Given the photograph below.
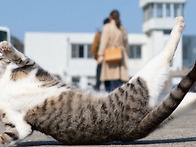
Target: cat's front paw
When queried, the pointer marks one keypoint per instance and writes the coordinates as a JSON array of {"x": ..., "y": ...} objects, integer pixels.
[
  {"x": 180, "y": 23},
  {"x": 5, "y": 47},
  {"x": 1, "y": 140}
]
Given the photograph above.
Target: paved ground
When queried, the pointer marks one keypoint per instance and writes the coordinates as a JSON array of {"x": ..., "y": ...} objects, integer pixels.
[{"x": 178, "y": 133}]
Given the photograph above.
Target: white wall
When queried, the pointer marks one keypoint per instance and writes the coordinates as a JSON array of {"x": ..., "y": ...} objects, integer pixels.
[
  {"x": 48, "y": 50},
  {"x": 52, "y": 51},
  {"x": 136, "y": 64}
]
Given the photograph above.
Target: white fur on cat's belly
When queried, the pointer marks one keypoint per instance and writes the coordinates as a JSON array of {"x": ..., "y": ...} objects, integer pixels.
[
  {"x": 17, "y": 97},
  {"x": 155, "y": 73},
  {"x": 19, "y": 94}
]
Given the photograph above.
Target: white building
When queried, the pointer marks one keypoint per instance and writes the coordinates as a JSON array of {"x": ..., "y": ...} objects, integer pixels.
[
  {"x": 5, "y": 34},
  {"x": 69, "y": 54}
]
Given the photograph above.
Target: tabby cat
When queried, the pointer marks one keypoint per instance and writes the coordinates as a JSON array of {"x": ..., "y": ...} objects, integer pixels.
[{"x": 32, "y": 99}]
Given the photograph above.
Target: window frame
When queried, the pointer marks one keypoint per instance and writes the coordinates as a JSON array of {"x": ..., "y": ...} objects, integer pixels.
[
  {"x": 159, "y": 10},
  {"x": 135, "y": 51},
  {"x": 168, "y": 10},
  {"x": 81, "y": 51}
]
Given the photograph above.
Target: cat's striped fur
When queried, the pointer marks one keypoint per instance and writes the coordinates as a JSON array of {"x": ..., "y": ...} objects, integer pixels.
[{"x": 32, "y": 99}]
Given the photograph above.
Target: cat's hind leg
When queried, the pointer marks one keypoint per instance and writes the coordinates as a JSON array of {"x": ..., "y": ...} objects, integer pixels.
[
  {"x": 155, "y": 72},
  {"x": 12, "y": 54},
  {"x": 16, "y": 128}
]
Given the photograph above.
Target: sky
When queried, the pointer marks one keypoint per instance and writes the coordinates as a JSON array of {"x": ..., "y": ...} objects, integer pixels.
[{"x": 76, "y": 15}]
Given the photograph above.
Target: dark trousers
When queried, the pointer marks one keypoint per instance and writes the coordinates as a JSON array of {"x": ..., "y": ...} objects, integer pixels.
[
  {"x": 111, "y": 85},
  {"x": 98, "y": 73}
]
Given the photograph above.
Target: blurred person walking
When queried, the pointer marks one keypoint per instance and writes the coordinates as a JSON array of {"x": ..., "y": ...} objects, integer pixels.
[
  {"x": 94, "y": 50},
  {"x": 114, "y": 35}
]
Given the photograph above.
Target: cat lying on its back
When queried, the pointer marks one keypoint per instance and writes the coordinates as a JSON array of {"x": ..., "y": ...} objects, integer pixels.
[{"x": 32, "y": 99}]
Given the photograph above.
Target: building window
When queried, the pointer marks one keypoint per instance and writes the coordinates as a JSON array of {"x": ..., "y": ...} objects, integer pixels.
[
  {"x": 3, "y": 35},
  {"x": 148, "y": 12},
  {"x": 151, "y": 11},
  {"x": 168, "y": 10},
  {"x": 81, "y": 51},
  {"x": 186, "y": 45},
  {"x": 145, "y": 14},
  {"x": 135, "y": 52},
  {"x": 75, "y": 81},
  {"x": 77, "y": 51},
  {"x": 167, "y": 32},
  {"x": 91, "y": 81},
  {"x": 159, "y": 10},
  {"x": 182, "y": 10},
  {"x": 177, "y": 10},
  {"x": 89, "y": 53},
  {"x": 185, "y": 52}
]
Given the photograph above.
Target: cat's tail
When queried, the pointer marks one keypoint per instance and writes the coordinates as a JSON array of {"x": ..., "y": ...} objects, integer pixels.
[
  {"x": 163, "y": 111},
  {"x": 187, "y": 105}
]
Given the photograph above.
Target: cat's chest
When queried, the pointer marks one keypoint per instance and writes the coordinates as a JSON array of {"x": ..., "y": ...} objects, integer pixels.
[{"x": 25, "y": 94}]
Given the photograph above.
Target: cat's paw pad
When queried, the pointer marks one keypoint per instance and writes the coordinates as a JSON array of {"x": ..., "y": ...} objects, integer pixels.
[
  {"x": 5, "y": 47},
  {"x": 180, "y": 23}
]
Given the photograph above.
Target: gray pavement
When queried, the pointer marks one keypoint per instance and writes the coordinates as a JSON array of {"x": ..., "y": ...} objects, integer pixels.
[{"x": 178, "y": 133}]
